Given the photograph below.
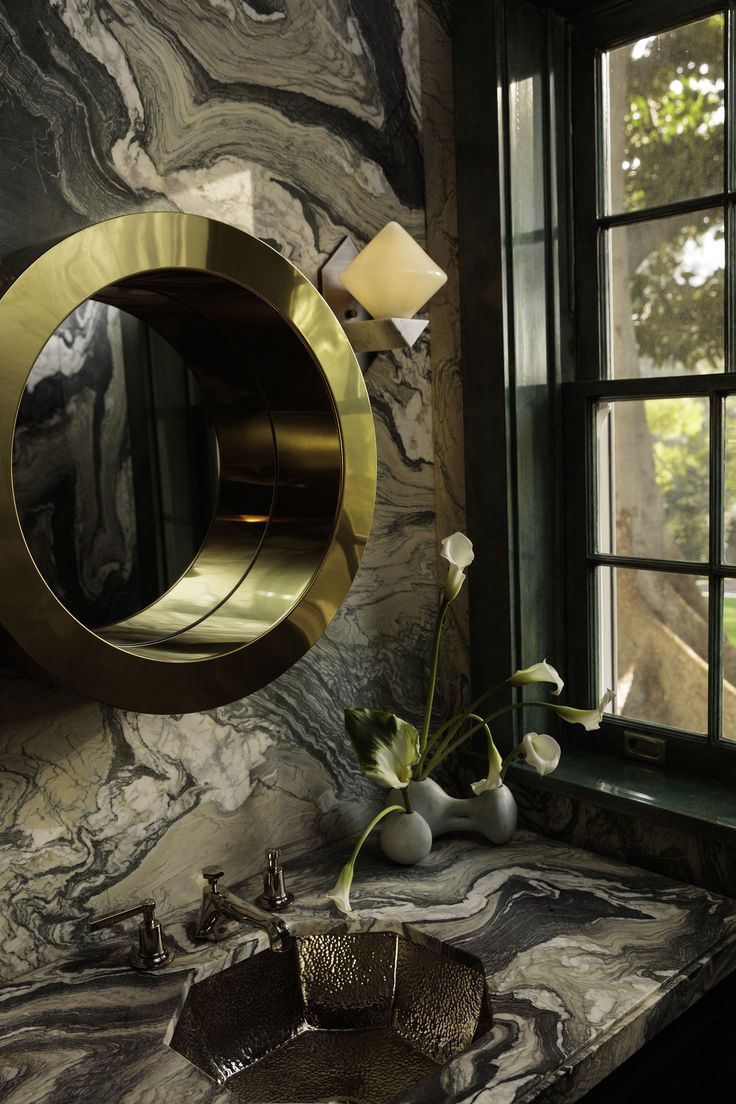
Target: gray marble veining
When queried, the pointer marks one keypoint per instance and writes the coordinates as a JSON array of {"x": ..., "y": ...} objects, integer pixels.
[
  {"x": 662, "y": 848},
  {"x": 298, "y": 121},
  {"x": 586, "y": 958}
]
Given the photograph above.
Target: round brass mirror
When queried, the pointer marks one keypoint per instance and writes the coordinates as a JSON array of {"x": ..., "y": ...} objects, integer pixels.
[{"x": 190, "y": 463}]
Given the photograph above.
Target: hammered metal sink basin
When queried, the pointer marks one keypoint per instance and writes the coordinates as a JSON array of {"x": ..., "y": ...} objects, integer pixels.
[{"x": 353, "y": 1019}]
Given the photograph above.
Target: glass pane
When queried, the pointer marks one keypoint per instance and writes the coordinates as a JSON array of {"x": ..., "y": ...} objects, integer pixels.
[
  {"x": 666, "y": 294},
  {"x": 665, "y": 117},
  {"x": 729, "y": 490},
  {"x": 654, "y": 645},
  {"x": 653, "y": 478},
  {"x": 729, "y": 660}
]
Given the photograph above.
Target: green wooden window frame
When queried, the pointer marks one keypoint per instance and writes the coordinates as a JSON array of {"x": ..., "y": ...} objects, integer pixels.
[
  {"x": 590, "y": 38},
  {"x": 531, "y": 362}
]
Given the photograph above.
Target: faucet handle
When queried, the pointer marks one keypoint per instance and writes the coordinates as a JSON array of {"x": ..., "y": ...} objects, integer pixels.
[
  {"x": 150, "y": 954},
  {"x": 275, "y": 896},
  {"x": 212, "y": 874}
]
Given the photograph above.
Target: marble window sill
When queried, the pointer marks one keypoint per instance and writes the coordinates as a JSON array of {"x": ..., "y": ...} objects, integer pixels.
[{"x": 690, "y": 804}]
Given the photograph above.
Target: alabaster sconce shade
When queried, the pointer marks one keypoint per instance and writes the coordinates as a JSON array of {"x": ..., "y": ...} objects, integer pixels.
[{"x": 392, "y": 277}]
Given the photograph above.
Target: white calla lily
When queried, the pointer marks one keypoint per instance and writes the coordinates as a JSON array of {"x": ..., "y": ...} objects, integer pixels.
[
  {"x": 341, "y": 893},
  {"x": 386, "y": 747},
  {"x": 541, "y": 751},
  {"x": 393, "y": 762},
  {"x": 538, "y": 672},
  {"x": 457, "y": 549},
  {"x": 493, "y": 780},
  {"x": 588, "y": 718}
]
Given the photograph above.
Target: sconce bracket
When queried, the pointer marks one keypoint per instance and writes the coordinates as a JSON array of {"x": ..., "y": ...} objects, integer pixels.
[
  {"x": 377, "y": 334},
  {"x": 338, "y": 297},
  {"x": 366, "y": 335}
]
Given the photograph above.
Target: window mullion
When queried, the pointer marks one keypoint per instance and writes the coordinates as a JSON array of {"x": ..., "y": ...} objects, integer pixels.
[
  {"x": 716, "y": 583},
  {"x": 730, "y": 55},
  {"x": 715, "y": 578},
  {"x": 729, "y": 213},
  {"x": 604, "y": 367},
  {"x": 667, "y": 210}
]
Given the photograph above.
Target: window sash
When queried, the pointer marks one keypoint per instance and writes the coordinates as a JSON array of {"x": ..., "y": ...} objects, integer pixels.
[
  {"x": 591, "y": 37},
  {"x": 579, "y": 409}
]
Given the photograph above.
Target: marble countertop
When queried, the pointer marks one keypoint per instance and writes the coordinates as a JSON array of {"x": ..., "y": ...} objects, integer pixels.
[{"x": 586, "y": 959}]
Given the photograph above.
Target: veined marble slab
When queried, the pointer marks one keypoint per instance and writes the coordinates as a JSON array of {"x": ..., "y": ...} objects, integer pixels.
[{"x": 586, "y": 959}]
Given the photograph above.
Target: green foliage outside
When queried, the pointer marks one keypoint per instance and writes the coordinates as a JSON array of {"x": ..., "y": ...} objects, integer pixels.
[
  {"x": 680, "y": 441},
  {"x": 674, "y": 119},
  {"x": 677, "y": 312},
  {"x": 729, "y": 619},
  {"x": 679, "y": 429}
]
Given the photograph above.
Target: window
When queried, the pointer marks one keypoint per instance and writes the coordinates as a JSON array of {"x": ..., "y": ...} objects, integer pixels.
[
  {"x": 651, "y": 419},
  {"x": 599, "y": 379}
]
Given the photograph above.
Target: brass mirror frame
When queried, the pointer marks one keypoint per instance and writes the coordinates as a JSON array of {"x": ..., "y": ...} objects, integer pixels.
[{"x": 39, "y": 629}]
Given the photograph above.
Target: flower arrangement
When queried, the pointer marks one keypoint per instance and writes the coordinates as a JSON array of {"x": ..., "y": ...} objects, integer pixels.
[{"x": 393, "y": 753}]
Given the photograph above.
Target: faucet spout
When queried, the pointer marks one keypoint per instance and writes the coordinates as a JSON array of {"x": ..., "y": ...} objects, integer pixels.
[
  {"x": 279, "y": 936},
  {"x": 220, "y": 903}
]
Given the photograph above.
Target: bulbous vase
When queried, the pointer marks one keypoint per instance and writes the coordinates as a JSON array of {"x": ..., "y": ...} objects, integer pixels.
[
  {"x": 493, "y": 813},
  {"x": 406, "y": 838},
  {"x": 496, "y": 814}
]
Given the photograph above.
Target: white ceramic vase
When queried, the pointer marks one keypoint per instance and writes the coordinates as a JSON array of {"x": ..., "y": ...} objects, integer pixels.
[
  {"x": 492, "y": 813},
  {"x": 406, "y": 838}
]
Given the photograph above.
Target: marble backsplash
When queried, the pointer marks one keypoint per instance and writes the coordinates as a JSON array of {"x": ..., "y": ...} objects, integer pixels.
[
  {"x": 664, "y": 849},
  {"x": 298, "y": 121}
]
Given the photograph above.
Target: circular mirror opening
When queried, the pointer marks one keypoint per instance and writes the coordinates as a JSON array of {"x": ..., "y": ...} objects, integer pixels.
[{"x": 173, "y": 429}]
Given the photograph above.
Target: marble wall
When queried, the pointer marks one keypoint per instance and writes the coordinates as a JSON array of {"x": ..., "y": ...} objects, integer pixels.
[{"x": 298, "y": 121}]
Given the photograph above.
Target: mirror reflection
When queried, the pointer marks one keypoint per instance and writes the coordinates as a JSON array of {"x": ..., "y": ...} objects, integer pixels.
[
  {"x": 173, "y": 439},
  {"x": 115, "y": 463}
]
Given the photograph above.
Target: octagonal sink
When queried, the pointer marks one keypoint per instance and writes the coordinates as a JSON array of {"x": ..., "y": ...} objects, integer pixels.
[{"x": 354, "y": 1019}]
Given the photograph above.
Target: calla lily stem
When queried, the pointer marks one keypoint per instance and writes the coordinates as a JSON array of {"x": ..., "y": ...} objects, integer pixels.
[
  {"x": 433, "y": 674},
  {"x": 448, "y": 747},
  {"x": 454, "y": 723},
  {"x": 449, "y": 728},
  {"x": 341, "y": 893},
  {"x": 441, "y": 753},
  {"x": 364, "y": 836},
  {"x": 513, "y": 754}
]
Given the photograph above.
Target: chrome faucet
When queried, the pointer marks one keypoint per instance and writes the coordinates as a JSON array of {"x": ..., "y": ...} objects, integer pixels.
[
  {"x": 151, "y": 952},
  {"x": 219, "y": 903}
]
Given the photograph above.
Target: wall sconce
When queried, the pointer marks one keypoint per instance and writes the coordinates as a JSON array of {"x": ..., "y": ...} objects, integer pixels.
[{"x": 391, "y": 279}]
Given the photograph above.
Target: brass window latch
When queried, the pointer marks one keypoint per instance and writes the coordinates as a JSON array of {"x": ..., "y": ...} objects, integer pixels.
[
  {"x": 150, "y": 954},
  {"x": 649, "y": 749}
]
